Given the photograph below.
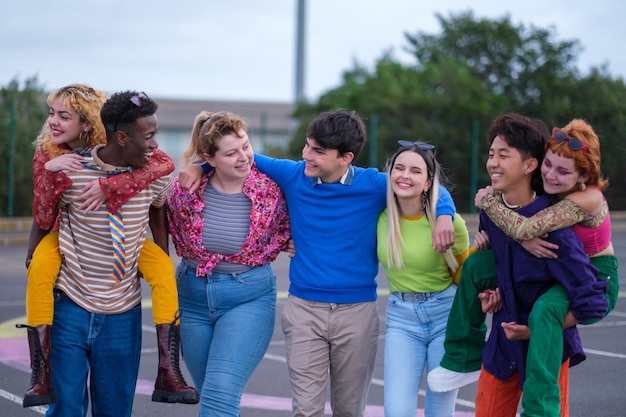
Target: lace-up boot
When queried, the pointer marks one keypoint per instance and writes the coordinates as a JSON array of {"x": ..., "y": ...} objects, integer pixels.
[
  {"x": 170, "y": 385},
  {"x": 41, "y": 390}
]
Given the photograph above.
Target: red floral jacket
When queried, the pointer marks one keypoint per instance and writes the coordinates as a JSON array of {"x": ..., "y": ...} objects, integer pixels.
[{"x": 118, "y": 188}]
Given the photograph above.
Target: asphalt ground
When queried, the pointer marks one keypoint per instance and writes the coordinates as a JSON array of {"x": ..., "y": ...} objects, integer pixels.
[{"x": 596, "y": 385}]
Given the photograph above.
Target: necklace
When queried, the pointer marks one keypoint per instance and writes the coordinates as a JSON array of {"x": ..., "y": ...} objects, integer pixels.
[{"x": 513, "y": 206}]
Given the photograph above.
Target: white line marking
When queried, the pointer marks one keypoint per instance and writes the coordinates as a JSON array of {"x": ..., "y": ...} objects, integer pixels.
[
  {"x": 18, "y": 400},
  {"x": 607, "y": 354}
]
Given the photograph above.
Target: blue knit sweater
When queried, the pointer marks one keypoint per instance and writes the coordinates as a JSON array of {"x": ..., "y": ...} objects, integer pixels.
[{"x": 334, "y": 230}]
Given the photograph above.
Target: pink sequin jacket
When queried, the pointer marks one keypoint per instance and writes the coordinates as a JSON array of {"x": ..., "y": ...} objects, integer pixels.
[{"x": 269, "y": 224}]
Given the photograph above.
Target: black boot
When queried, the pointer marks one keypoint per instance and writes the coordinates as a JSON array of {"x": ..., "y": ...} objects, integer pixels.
[
  {"x": 170, "y": 385},
  {"x": 41, "y": 390}
]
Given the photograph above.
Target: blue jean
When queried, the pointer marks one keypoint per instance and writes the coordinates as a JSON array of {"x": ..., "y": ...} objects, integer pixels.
[
  {"x": 415, "y": 331},
  {"x": 104, "y": 347},
  {"x": 226, "y": 326}
]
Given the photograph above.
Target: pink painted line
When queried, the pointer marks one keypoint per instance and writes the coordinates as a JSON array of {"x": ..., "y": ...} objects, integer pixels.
[
  {"x": 264, "y": 402},
  {"x": 14, "y": 353},
  {"x": 144, "y": 387}
]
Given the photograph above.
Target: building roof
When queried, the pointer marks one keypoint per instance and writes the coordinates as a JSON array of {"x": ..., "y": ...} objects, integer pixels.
[{"x": 180, "y": 114}]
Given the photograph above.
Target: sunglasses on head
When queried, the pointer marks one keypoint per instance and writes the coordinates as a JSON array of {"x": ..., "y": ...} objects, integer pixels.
[
  {"x": 573, "y": 143},
  {"x": 410, "y": 144},
  {"x": 136, "y": 100}
]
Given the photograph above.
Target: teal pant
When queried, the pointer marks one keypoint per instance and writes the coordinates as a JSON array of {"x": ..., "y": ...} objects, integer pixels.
[{"x": 466, "y": 331}]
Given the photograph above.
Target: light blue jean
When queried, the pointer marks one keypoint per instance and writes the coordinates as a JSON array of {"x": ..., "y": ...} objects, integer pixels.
[
  {"x": 415, "y": 331},
  {"x": 104, "y": 347},
  {"x": 226, "y": 326}
]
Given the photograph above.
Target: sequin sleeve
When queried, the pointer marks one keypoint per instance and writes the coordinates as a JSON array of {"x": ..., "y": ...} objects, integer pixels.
[
  {"x": 563, "y": 214},
  {"x": 48, "y": 186},
  {"x": 122, "y": 187}
]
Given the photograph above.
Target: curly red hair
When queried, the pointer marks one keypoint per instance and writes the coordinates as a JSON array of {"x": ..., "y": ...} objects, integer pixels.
[{"x": 587, "y": 160}]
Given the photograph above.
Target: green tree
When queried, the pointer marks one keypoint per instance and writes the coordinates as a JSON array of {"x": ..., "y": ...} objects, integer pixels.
[
  {"x": 22, "y": 111},
  {"x": 601, "y": 101},
  {"x": 538, "y": 76},
  {"x": 465, "y": 76},
  {"x": 434, "y": 103},
  {"x": 513, "y": 61}
]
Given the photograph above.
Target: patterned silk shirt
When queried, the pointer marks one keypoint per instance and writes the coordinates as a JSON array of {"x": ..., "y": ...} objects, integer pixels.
[{"x": 269, "y": 224}]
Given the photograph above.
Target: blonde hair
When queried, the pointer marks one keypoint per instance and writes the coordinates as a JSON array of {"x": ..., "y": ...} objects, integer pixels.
[
  {"x": 86, "y": 102},
  {"x": 208, "y": 128},
  {"x": 395, "y": 242}
]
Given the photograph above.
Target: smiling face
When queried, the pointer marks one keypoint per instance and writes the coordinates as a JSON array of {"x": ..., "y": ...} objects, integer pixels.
[
  {"x": 140, "y": 141},
  {"x": 233, "y": 158},
  {"x": 65, "y": 125},
  {"x": 509, "y": 172},
  {"x": 559, "y": 174},
  {"x": 323, "y": 163},
  {"x": 409, "y": 176}
]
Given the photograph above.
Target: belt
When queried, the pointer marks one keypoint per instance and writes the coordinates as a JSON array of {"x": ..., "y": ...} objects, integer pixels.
[{"x": 414, "y": 297}]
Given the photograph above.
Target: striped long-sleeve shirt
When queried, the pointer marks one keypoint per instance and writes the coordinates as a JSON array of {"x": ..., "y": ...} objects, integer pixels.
[{"x": 85, "y": 244}]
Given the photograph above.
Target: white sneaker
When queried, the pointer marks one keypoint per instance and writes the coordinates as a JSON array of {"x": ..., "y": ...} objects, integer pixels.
[{"x": 444, "y": 380}]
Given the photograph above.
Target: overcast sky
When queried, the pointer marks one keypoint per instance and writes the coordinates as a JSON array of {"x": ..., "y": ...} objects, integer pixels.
[{"x": 245, "y": 49}]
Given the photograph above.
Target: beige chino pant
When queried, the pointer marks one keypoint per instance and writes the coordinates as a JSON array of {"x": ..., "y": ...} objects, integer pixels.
[{"x": 323, "y": 338}]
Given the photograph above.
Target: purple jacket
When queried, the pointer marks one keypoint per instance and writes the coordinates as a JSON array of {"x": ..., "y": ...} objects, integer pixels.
[{"x": 522, "y": 278}]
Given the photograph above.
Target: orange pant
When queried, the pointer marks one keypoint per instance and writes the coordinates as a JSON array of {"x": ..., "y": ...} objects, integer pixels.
[{"x": 498, "y": 398}]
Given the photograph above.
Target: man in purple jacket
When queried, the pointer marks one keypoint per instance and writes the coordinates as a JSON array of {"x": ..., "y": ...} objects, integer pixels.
[{"x": 515, "y": 154}]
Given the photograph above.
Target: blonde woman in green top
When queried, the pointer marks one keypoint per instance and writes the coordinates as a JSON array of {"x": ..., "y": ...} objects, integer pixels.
[{"x": 421, "y": 280}]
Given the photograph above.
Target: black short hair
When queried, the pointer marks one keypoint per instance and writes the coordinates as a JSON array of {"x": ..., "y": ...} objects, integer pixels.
[
  {"x": 338, "y": 129},
  {"x": 125, "y": 108},
  {"x": 528, "y": 136}
]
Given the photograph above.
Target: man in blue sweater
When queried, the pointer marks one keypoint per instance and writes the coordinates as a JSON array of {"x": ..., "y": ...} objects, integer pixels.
[
  {"x": 515, "y": 154},
  {"x": 330, "y": 320}
]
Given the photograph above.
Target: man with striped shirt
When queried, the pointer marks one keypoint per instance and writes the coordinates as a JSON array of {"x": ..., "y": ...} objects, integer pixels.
[{"x": 97, "y": 317}]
